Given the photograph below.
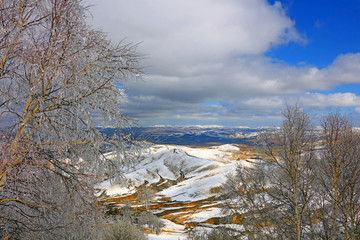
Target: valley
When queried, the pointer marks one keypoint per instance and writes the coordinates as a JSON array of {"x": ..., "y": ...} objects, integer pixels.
[{"x": 183, "y": 186}]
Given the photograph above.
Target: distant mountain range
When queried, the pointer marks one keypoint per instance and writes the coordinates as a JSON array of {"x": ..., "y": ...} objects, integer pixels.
[{"x": 194, "y": 135}]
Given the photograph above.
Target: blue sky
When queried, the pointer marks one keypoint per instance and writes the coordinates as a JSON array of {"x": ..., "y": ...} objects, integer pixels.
[
  {"x": 237, "y": 62},
  {"x": 329, "y": 26}
]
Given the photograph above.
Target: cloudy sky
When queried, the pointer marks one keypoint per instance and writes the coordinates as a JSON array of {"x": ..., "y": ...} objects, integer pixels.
[{"x": 237, "y": 62}]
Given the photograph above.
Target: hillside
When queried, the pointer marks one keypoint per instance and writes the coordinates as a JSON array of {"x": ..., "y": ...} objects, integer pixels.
[{"x": 184, "y": 184}]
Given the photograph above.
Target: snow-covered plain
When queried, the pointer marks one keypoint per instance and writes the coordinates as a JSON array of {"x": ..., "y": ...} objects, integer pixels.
[{"x": 189, "y": 199}]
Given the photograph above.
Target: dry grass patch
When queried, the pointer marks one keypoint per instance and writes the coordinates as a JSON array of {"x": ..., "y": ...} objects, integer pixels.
[
  {"x": 215, "y": 189},
  {"x": 165, "y": 199}
]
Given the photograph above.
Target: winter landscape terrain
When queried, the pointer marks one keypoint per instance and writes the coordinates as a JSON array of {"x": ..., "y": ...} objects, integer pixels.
[
  {"x": 77, "y": 76},
  {"x": 185, "y": 185}
]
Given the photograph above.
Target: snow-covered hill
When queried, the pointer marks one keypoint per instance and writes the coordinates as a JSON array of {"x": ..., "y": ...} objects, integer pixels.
[{"x": 185, "y": 183}]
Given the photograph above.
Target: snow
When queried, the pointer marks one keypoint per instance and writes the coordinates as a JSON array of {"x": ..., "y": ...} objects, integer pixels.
[
  {"x": 115, "y": 189},
  {"x": 204, "y": 215},
  {"x": 204, "y": 169},
  {"x": 166, "y": 236},
  {"x": 197, "y": 187},
  {"x": 249, "y": 135},
  {"x": 169, "y": 232}
]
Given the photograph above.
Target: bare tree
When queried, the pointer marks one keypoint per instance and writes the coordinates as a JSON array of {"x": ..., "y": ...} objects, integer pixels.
[
  {"x": 58, "y": 80},
  {"x": 272, "y": 199},
  {"x": 144, "y": 195},
  {"x": 338, "y": 172},
  {"x": 247, "y": 201},
  {"x": 123, "y": 229},
  {"x": 290, "y": 150},
  {"x": 307, "y": 185}
]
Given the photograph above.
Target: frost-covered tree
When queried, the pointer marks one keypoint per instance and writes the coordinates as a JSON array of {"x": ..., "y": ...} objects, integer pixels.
[
  {"x": 59, "y": 79},
  {"x": 338, "y": 179},
  {"x": 272, "y": 199},
  {"x": 247, "y": 201},
  {"x": 123, "y": 229},
  {"x": 289, "y": 152},
  {"x": 144, "y": 195},
  {"x": 306, "y": 187}
]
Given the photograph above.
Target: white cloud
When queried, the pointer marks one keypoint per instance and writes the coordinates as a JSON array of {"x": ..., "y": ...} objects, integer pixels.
[
  {"x": 271, "y": 102},
  {"x": 210, "y": 50},
  {"x": 251, "y": 77},
  {"x": 190, "y": 32},
  {"x": 331, "y": 100}
]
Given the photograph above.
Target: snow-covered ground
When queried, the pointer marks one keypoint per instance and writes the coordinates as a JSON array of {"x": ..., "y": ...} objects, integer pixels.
[
  {"x": 204, "y": 170},
  {"x": 171, "y": 231}
]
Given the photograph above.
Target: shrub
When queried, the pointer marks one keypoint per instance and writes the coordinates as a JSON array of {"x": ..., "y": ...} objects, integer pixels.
[
  {"x": 122, "y": 229},
  {"x": 214, "y": 234},
  {"x": 151, "y": 221}
]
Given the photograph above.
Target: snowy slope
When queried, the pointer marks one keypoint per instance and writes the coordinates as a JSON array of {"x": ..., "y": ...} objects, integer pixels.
[
  {"x": 204, "y": 168},
  {"x": 191, "y": 199}
]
